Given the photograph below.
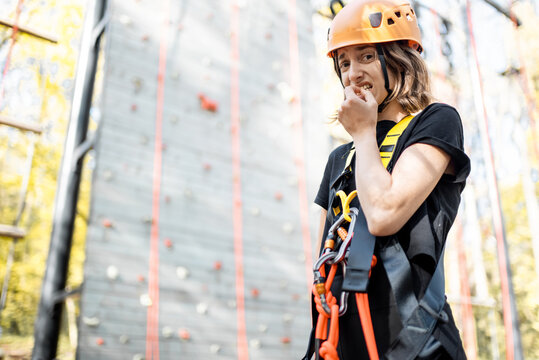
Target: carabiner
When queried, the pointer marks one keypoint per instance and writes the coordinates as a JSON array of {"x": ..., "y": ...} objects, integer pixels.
[
  {"x": 345, "y": 201},
  {"x": 344, "y": 303},
  {"x": 341, "y": 254},
  {"x": 326, "y": 258}
]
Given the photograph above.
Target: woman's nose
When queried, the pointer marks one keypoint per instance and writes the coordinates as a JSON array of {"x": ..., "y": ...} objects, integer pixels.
[{"x": 356, "y": 71}]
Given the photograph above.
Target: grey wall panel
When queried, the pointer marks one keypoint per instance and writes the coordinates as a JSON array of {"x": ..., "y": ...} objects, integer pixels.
[{"x": 196, "y": 270}]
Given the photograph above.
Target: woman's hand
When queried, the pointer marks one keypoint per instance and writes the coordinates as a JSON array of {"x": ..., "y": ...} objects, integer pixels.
[{"x": 359, "y": 111}]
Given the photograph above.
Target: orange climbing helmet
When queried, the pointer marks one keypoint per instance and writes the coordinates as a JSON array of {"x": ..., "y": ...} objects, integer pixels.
[{"x": 374, "y": 21}]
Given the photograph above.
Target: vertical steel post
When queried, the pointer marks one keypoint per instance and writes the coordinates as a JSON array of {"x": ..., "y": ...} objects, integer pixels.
[{"x": 47, "y": 326}]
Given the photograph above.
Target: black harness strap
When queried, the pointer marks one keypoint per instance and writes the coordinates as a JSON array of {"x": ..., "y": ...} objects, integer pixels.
[
  {"x": 358, "y": 265},
  {"x": 418, "y": 322},
  {"x": 399, "y": 273}
]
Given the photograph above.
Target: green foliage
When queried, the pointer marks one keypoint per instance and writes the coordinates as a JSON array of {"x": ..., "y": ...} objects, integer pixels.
[{"x": 48, "y": 71}]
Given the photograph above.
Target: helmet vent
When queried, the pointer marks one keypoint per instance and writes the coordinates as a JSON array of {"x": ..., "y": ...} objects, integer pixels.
[
  {"x": 398, "y": 14},
  {"x": 390, "y": 21},
  {"x": 375, "y": 19},
  {"x": 409, "y": 17}
]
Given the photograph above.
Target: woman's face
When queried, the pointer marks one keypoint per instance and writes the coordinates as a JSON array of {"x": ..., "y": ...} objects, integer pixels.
[{"x": 360, "y": 66}]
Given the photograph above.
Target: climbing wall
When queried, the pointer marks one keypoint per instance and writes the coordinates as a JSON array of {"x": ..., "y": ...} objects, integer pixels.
[{"x": 211, "y": 147}]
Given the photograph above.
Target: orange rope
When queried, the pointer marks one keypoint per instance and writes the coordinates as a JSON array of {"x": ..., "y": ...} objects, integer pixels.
[{"x": 328, "y": 349}]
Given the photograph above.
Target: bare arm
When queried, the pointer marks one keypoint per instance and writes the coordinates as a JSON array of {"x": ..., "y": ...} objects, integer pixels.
[
  {"x": 388, "y": 200},
  {"x": 323, "y": 215}
]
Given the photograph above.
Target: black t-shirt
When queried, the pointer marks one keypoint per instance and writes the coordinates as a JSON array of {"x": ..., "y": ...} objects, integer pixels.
[{"x": 438, "y": 125}]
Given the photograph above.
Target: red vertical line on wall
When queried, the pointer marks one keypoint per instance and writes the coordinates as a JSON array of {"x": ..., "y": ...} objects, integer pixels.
[
  {"x": 299, "y": 144},
  {"x": 14, "y": 32},
  {"x": 241, "y": 344},
  {"x": 152, "y": 315},
  {"x": 512, "y": 333},
  {"x": 468, "y": 323},
  {"x": 530, "y": 98}
]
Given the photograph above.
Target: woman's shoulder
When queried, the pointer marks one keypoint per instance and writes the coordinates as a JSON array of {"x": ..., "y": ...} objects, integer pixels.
[
  {"x": 439, "y": 110},
  {"x": 340, "y": 152}
]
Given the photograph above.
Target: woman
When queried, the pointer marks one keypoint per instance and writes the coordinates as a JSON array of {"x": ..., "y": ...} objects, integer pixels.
[{"x": 410, "y": 206}]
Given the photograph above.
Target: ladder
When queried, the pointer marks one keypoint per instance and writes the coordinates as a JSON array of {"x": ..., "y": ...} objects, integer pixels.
[{"x": 13, "y": 231}]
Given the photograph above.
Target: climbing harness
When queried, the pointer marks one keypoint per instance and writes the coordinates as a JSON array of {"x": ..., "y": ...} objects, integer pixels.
[{"x": 337, "y": 250}]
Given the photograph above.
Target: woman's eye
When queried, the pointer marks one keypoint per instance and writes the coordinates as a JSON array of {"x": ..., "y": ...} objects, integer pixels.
[
  {"x": 344, "y": 64},
  {"x": 368, "y": 57}
]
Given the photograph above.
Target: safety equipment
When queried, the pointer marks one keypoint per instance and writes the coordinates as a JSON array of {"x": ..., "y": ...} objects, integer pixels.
[
  {"x": 375, "y": 22},
  {"x": 339, "y": 249},
  {"x": 372, "y": 22},
  {"x": 419, "y": 315}
]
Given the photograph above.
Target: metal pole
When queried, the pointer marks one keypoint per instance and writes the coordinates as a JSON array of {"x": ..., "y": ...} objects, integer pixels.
[{"x": 47, "y": 326}]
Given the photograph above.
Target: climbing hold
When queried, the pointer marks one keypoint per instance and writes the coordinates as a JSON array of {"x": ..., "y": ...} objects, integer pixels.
[
  {"x": 138, "y": 357},
  {"x": 285, "y": 340},
  {"x": 255, "y": 292},
  {"x": 278, "y": 195},
  {"x": 141, "y": 278},
  {"x": 255, "y": 211},
  {"x": 296, "y": 297},
  {"x": 147, "y": 220},
  {"x": 255, "y": 343},
  {"x": 90, "y": 321},
  {"x": 174, "y": 119},
  {"x": 293, "y": 181},
  {"x": 287, "y": 318},
  {"x": 125, "y": 20},
  {"x": 262, "y": 328},
  {"x": 215, "y": 348},
  {"x": 167, "y": 199},
  {"x": 180, "y": 27},
  {"x": 124, "y": 339},
  {"x": 182, "y": 272},
  {"x": 188, "y": 193},
  {"x": 134, "y": 107},
  {"x": 301, "y": 257},
  {"x": 202, "y": 308},
  {"x": 99, "y": 341},
  {"x": 137, "y": 84},
  {"x": 168, "y": 243},
  {"x": 145, "y": 300},
  {"x": 107, "y": 223},
  {"x": 269, "y": 36},
  {"x": 217, "y": 265},
  {"x": 231, "y": 304},
  {"x": 164, "y": 147},
  {"x": 144, "y": 140},
  {"x": 145, "y": 37},
  {"x": 167, "y": 332},
  {"x": 207, "y": 104},
  {"x": 112, "y": 272},
  {"x": 206, "y": 166},
  {"x": 288, "y": 228},
  {"x": 184, "y": 334},
  {"x": 287, "y": 94},
  {"x": 107, "y": 175}
]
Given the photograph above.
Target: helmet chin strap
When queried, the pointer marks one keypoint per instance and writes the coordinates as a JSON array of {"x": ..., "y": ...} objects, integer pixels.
[{"x": 382, "y": 58}]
